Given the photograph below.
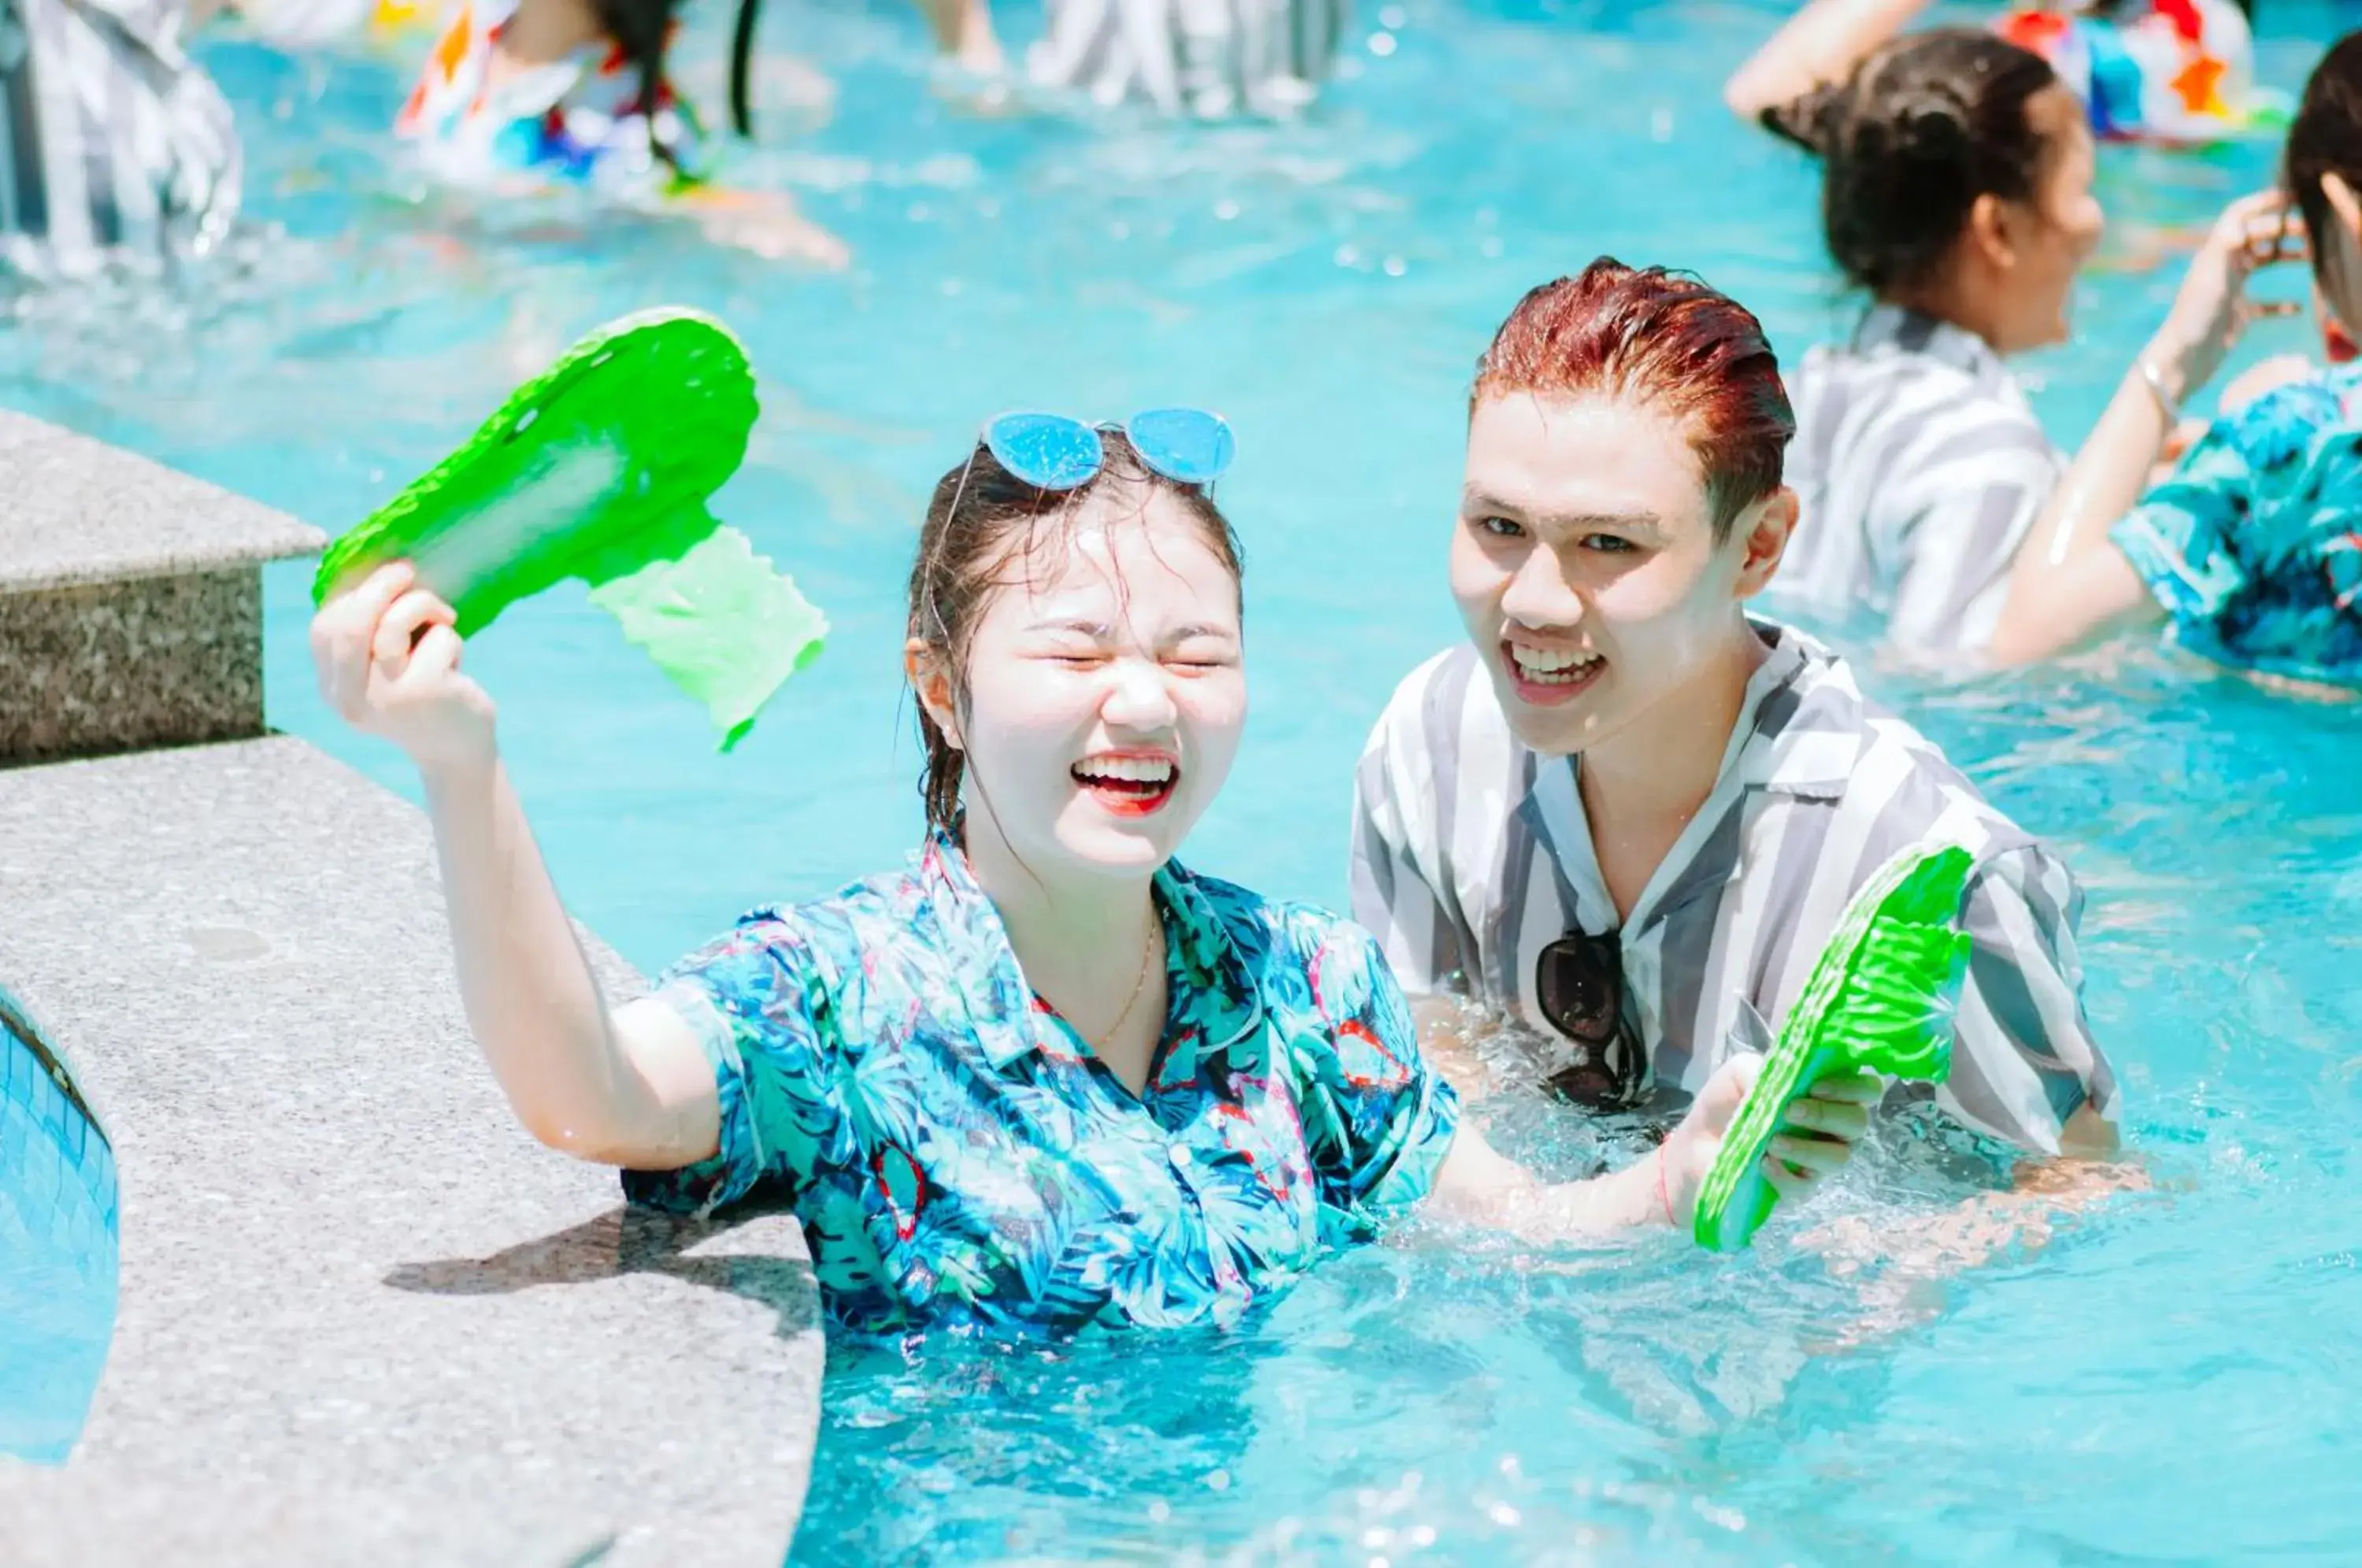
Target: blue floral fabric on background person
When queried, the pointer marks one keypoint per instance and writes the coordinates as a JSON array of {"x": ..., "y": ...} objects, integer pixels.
[
  {"x": 2254, "y": 546},
  {"x": 960, "y": 1158}
]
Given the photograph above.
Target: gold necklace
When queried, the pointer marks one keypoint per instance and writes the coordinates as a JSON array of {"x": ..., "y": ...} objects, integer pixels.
[{"x": 1147, "y": 952}]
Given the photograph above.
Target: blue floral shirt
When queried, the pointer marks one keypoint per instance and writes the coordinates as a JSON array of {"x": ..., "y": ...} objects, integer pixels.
[
  {"x": 959, "y": 1157},
  {"x": 2254, "y": 546}
]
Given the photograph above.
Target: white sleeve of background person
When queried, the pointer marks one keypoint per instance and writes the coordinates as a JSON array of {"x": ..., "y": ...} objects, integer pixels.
[
  {"x": 303, "y": 23},
  {"x": 1082, "y": 48},
  {"x": 1852, "y": 412},
  {"x": 61, "y": 45},
  {"x": 1965, "y": 504}
]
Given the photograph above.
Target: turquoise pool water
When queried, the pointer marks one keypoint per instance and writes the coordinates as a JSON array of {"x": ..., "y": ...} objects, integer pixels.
[
  {"x": 2177, "y": 1376},
  {"x": 57, "y": 1246}
]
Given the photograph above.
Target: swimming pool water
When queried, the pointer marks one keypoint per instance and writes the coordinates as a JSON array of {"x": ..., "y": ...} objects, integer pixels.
[
  {"x": 57, "y": 1246},
  {"x": 2176, "y": 1377}
]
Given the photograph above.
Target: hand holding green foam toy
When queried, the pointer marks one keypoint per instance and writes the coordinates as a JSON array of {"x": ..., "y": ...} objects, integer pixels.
[
  {"x": 1874, "y": 1002},
  {"x": 600, "y": 470}
]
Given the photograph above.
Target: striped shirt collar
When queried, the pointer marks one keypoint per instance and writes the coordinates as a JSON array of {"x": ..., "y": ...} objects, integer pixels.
[
  {"x": 1762, "y": 753},
  {"x": 1901, "y": 330}
]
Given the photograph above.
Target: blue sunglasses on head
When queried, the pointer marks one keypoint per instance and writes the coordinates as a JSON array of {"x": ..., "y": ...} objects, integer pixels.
[{"x": 1049, "y": 451}]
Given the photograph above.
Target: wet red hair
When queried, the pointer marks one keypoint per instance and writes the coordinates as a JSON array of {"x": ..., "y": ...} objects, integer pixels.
[{"x": 1667, "y": 341}]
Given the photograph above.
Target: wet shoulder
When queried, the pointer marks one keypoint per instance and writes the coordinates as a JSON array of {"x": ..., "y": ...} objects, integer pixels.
[
  {"x": 1300, "y": 958},
  {"x": 2281, "y": 429},
  {"x": 1445, "y": 713},
  {"x": 871, "y": 960},
  {"x": 1887, "y": 782},
  {"x": 1435, "y": 700},
  {"x": 1891, "y": 382},
  {"x": 874, "y": 911}
]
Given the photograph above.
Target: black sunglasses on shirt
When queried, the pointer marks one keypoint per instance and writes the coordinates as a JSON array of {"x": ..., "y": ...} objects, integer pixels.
[{"x": 1579, "y": 986}]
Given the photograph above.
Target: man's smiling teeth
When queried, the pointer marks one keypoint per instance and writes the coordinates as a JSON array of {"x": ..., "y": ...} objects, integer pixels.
[
  {"x": 1125, "y": 770},
  {"x": 1548, "y": 667}
]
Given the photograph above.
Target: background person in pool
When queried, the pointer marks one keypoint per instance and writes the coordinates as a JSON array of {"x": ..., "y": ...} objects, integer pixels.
[
  {"x": 2252, "y": 549},
  {"x": 520, "y": 95},
  {"x": 1210, "y": 59},
  {"x": 157, "y": 178},
  {"x": 1628, "y": 816},
  {"x": 1957, "y": 193},
  {"x": 1045, "y": 1077},
  {"x": 2178, "y": 72}
]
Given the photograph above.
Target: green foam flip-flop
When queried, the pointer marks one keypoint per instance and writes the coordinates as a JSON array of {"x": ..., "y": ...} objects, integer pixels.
[
  {"x": 598, "y": 469},
  {"x": 1873, "y": 1000}
]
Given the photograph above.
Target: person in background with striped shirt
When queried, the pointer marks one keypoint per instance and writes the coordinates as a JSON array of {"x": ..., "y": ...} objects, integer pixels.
[
  {"x": 114, "y": 146},
  {"x": 1627, "y": 815},
  {"x": 1211, "y": 59},
  {"x": 117, "y": 150},
  {"x": 1957, "y": 194}
]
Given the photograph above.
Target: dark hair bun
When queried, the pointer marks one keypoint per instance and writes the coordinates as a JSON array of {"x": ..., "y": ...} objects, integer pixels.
[
  {"x": 1922, "y": 129},
  {"x": 1932, "y": 128}
]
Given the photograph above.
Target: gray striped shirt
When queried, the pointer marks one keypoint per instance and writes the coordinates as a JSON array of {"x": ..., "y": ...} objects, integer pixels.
[
  {"x": 1472, "y": 853},
  {"x": 1920, "y": 467},
  {"x": 1212, "y": 57},
  {"x": 112, "y": 142}
]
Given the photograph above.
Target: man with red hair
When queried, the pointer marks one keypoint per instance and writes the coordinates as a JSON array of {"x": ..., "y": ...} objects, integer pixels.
[{"x": 1628, "y": 815}]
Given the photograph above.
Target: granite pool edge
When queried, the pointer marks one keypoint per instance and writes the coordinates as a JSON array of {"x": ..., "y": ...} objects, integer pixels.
[
  {"x": 363, "y": 1318},
  {"x": 82, "y": 513}
]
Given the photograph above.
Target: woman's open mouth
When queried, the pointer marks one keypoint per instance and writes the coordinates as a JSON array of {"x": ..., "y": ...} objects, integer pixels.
[
  {"x": 1547, "y": 677},
  {"x": 1132, "y": 785}
]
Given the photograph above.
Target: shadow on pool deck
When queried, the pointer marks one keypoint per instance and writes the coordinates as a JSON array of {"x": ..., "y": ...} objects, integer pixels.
[
  {"x": 363, "y": 1317},
  {"x": 628, "y": 1240}
]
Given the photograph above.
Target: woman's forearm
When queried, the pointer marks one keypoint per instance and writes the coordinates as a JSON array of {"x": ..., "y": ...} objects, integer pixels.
[
  {"x": 2068, "y": 579},
  {"x": 1821, "y": 43},
  {"x": 1639, "y": 1195},
  {"x": 1484, "y": 1187},
  {"x": 532, "y": 1001},
  {"x": 2069, "y": 582}
]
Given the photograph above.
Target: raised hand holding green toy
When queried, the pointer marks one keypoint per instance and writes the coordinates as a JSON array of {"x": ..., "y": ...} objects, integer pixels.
[{"x": 600, "y": 470}]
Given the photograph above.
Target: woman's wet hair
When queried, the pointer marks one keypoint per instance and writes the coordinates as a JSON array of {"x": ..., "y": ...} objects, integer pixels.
[
  {"x": 643, "y": 31},
  {"x": 2326, "y": 137},
  {"x": 1666, "y": 340},
  {"x": 985, "y": 529},
  {"x": 1923, "y": 128}
]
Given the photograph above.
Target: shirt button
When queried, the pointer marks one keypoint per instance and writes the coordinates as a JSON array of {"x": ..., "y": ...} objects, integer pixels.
[{"x": 1181, "y": 1156}]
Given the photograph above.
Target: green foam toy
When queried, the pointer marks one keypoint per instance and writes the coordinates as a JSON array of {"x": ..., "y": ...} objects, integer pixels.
[
  {"x": 598, "y": 469},
  {"x": 1874, "y": 1002}
]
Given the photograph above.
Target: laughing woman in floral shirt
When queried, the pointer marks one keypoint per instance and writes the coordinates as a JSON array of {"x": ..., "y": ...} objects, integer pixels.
[{"x": 1043, "y": 1076}]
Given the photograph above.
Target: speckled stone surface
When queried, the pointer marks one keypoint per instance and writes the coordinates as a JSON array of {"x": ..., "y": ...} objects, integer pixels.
[
  {"x": 80, "y": 511},
  {"x": 118, "y": 666},
  {"x": 364, "y": 1318}
]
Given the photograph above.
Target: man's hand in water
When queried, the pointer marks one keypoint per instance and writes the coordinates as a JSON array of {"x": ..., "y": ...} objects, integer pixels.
[
  {"x": 1816, "y": 1138},
  {"x": 1815, "y": 1141},
  {"x": 389, "y": 664}
]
